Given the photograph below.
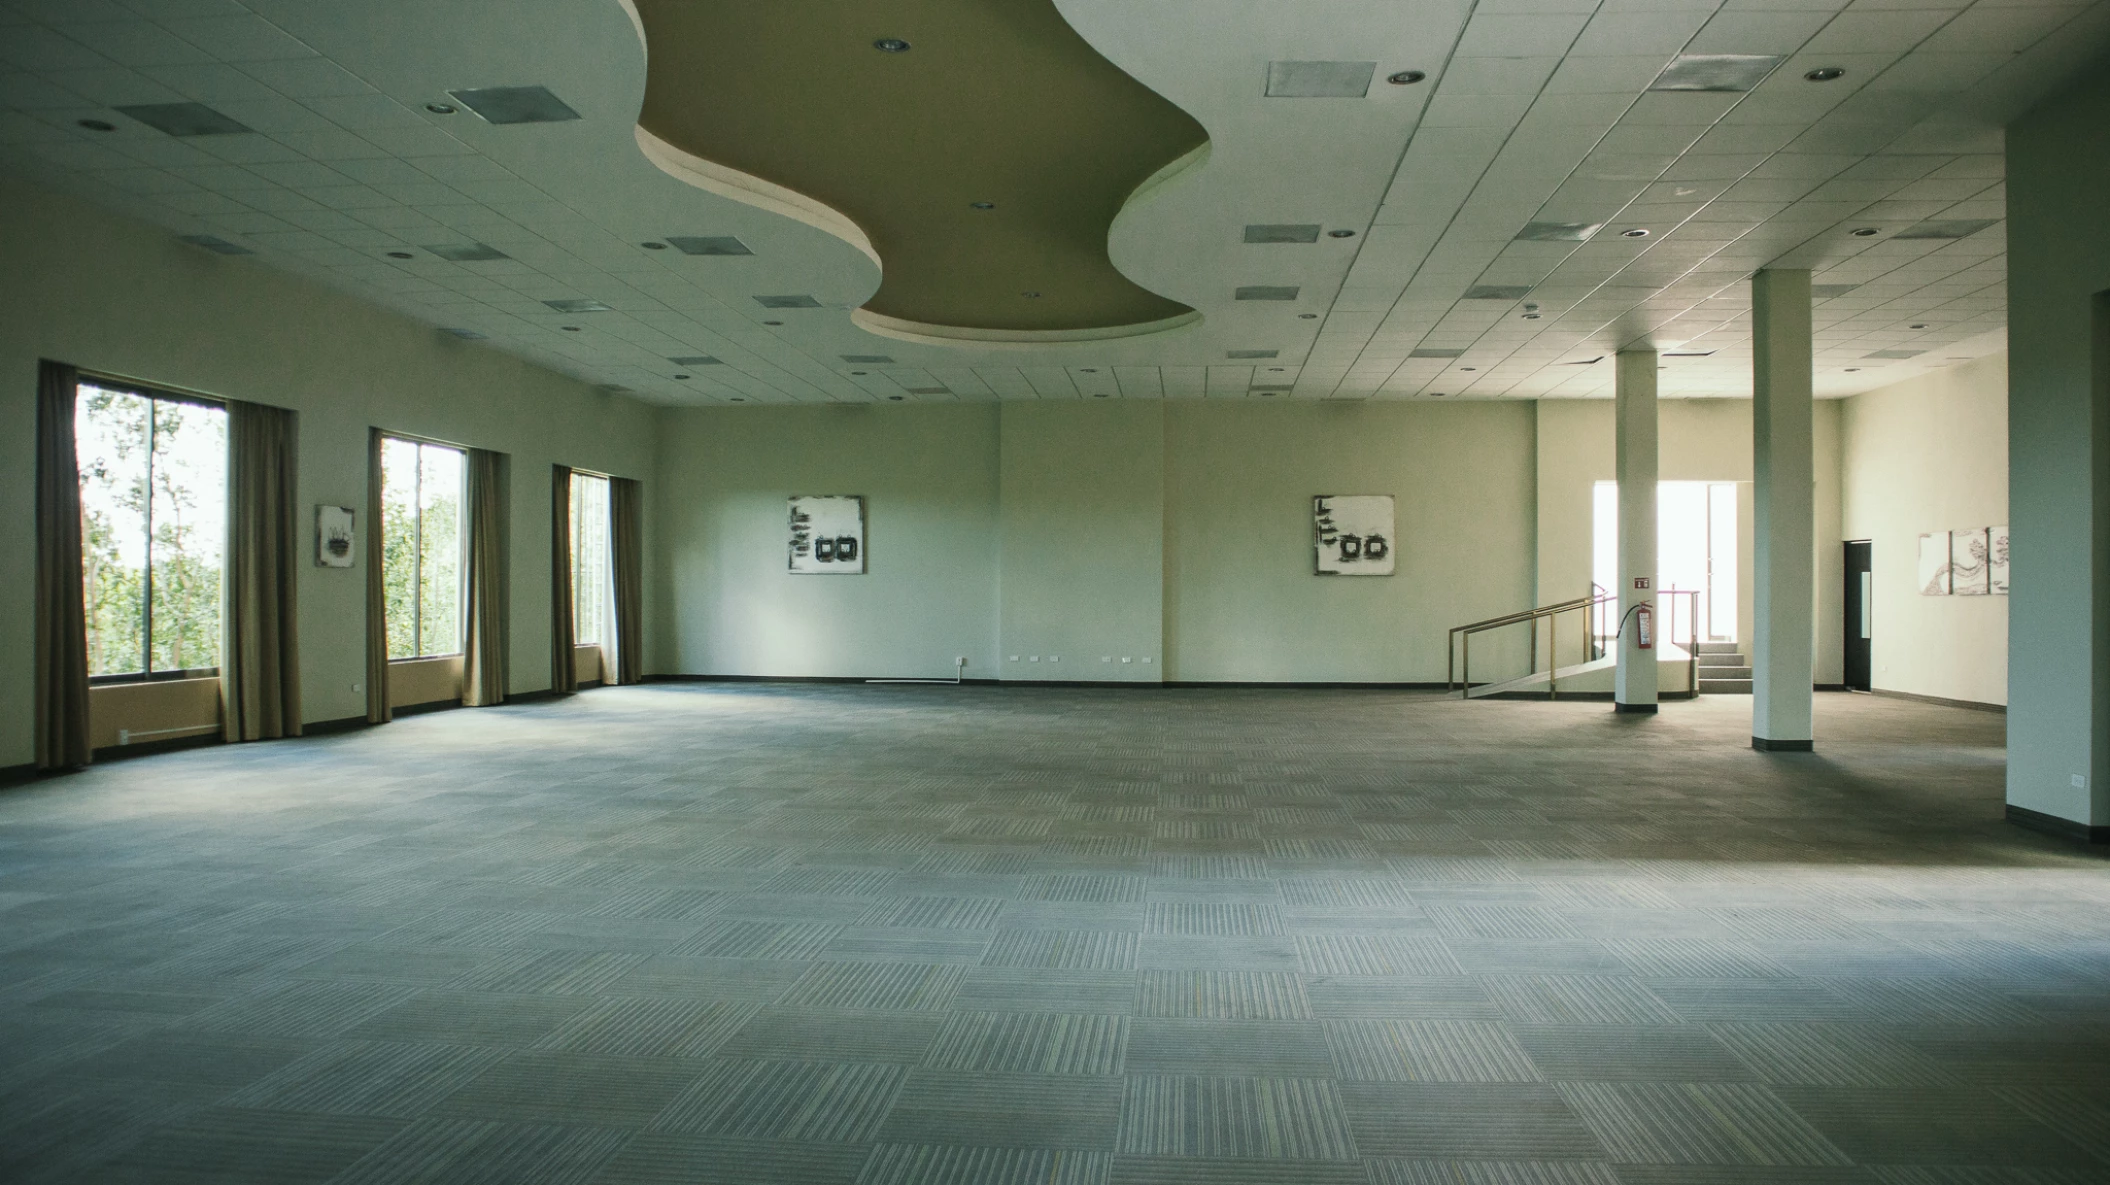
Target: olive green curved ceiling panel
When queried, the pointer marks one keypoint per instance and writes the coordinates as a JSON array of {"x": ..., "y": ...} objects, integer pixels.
[{"x": 981, "y": 166}]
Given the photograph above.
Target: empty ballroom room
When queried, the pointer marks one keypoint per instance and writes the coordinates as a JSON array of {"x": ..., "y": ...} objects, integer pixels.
[{"x": 1055, "y": 592}]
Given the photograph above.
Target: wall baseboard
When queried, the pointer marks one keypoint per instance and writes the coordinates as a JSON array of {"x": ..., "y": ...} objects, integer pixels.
[
  {"x": 323, "y": 728},
  {"x": 1769, "y": 745},
  {"x": 2022, "y": 816},
  {"x": 438, "y": 705},
  {"x": 151, "y": 748},
  {"x": 14, "y": 775},
  {"x": 1968, "y": 704}
]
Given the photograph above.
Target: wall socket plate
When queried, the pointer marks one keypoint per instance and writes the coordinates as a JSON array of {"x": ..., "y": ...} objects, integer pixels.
[{"x": 2080, "y": 781}]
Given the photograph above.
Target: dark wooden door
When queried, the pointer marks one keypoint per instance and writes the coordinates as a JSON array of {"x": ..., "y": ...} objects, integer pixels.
[{"x": 1860, "y": 614}]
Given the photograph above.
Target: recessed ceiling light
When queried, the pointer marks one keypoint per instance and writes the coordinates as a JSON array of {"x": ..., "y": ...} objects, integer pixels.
[
  {"x": 441, "y": 108},
  {"x": 1732, "y": 72},
  {"x": 708, "y": 245},
  {"x": 891, "y": 45},
  {"x": 1862, "y": 232},
  {"x": 515, "y": 104},
  {"x": 1558, "y": 232},
  {"x": 1319, "y": 80},
  {"x": 399, "y": 255},
  {"x": 1307, "y": 316},
  {"x": 1282, "y": 232},
  {"x": 97, "y": 125},
  {"x": 1635, "y": 233},
  {"x": 1265, "y": 292},
  {"x": 215, "y": 244},
  {"x": 579, "y": 305},
  {"x": 653, "y": 246},
  {"x": 466, "y": 252},
  {"x": 1343, "y": 233},
  {"x": 1405, "y": 77},
  {"x": 981, "y": 205},
  {"x": 1825, "y": 74},
  {"x": 184, "y": 119},
  {"x": 788, "y": 302}
]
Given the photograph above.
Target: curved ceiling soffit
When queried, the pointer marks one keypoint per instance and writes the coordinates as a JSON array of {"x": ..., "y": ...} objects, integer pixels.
[{"x": 789, "y": 106}]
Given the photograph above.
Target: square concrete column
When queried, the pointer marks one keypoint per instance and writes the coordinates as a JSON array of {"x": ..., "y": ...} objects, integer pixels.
[
  {"x": 1784, "y": 472},
  {"x": 1634, "y": 413}
]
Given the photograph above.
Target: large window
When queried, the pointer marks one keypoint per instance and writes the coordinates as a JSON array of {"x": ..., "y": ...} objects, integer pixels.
[
  {"x": 153, "y": 523},
  {"x": 592, "y": 612},
  {"x": 1696, "y": 549},
  {"x": 421, "y": 547}
]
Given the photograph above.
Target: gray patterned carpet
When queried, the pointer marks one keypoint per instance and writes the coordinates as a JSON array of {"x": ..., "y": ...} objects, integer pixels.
[{"x": 976, "y": 936}]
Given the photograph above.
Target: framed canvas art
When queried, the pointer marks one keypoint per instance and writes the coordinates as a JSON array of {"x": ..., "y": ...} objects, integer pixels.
[
  {"x": 334, "y": 537},
  {"x": 1353, "y": 535},
  {"x": 828, "y": 534},
  {"x": 1934, "y": 564}
]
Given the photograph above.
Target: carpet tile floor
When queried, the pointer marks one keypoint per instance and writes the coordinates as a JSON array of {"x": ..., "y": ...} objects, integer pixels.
[{"x": 901, "y": 935}]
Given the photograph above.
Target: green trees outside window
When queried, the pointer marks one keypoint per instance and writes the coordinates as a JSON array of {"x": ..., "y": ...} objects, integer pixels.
[
  {"x": 153, "y": 474},
  {"x": 590, "y": 591},
  {"x": 421, "y": 547}
]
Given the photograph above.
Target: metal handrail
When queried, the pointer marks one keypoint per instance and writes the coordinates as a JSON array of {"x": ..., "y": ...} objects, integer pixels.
[{"x": 1458, "y": 644}]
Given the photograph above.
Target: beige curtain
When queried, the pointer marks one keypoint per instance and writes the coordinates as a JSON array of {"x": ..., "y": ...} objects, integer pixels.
[
  {"x": 626, "y": 499},
  {"x": 377, "y": 706},
  {"x": 260, "y": 657},
  {"x": 563, "y": 662},
  {"x": 484, "y": 584},
  {"x": 61, "y": 622}
]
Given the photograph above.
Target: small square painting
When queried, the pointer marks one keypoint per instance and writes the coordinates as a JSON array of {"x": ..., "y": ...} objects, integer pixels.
[{"x": 1353, "y": 534}]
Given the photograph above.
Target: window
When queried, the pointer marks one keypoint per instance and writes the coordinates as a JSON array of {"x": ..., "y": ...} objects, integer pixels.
[
  {"x": 592, "y": 616},
  {"x": 153, "y": 522},
  {"x": 1696, "y": 547},
  {"x": 421, "y": 547}
]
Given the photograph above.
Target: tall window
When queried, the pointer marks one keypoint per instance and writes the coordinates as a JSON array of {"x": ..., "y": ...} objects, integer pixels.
[
  {"x": 1696, "y": 550},
  {"x": 421, "y": 547},
  {"x": 153, "y": 524},
  {"x": 592, "y": 617}
]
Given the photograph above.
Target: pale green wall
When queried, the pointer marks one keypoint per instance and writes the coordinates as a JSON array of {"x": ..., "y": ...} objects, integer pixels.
[
  {"x": 731, "y": 607},
  {"x": 1082, "y": 566},
  {"x": 107, "y": 293},
  {"x": 2059, "y": 455},
  {"x": 1930, "y": 454}
]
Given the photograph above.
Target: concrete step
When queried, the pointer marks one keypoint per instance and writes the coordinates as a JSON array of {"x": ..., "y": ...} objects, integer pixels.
[
  {"x": 1718, "y": 647},
  {"x": 1725, "y": 687},
  {"x": 1724, "y": 673},
  {"x": 1721, "y": 660}
]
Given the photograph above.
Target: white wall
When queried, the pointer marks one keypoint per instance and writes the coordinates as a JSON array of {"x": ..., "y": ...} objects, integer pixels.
[
  {"x": 1929, "y": 454},
  {"x": 106, "y": 293}
]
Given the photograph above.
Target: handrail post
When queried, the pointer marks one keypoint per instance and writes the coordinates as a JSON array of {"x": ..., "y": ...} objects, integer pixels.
[
  {"x": 1553, "y": 648},
  {"x": 1465, "y": 673}
]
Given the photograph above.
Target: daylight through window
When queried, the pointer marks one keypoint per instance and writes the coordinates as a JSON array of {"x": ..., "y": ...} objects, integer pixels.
[
  {"x": 153, "y": 474},
  {"x": 590, "y": 593},
  {"x": 421, "y": 547}
]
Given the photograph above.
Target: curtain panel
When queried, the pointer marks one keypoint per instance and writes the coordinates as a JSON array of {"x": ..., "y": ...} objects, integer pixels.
[
  {"x": 378, "y": 710},
  {"x": 626, "y": 500},
  {"x": 484, "y": 586},
  {"x": 563, "y": 662},
  {"x": 260, "y": 657},
  {"x": 61, "y": 620}
]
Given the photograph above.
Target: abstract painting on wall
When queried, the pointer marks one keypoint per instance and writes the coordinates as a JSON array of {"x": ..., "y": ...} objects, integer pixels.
[
  {"x": 1353, "y": 534},
  {"x": 1934, "y": 564},
  {"x": 1968, "y": 565},
  {"x": 1996, "y": 559},
  {"x": 333, "y": 537},
  {"x": 828, "y": 534}
]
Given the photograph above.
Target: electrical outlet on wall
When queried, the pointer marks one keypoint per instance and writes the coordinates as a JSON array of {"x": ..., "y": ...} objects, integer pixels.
[{"x": 2080, "y": 781}]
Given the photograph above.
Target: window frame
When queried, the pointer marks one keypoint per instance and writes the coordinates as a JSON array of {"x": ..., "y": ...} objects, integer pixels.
[
  {"x": 154, "y": 394},
  {"x": 460, "y": 541},
  {"x": 578, "y": 577}
]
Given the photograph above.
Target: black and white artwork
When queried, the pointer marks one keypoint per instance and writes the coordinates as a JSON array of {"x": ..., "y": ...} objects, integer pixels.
[
  {"x": 1934, "y": 564},
  {"x": 1353, "y": 534},
  {"x": 1969, "y": 563},
  {"x": 333, "y": 537},
  {"x": 1996, "y": 560},
  {"x": 828, "y": 534}
]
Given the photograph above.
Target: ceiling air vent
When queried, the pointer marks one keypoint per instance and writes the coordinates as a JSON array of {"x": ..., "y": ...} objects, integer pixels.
[
  {"x": 1281, "y": 232},
  {"x": 1733, "y": 72},
  {"x": 577, "y": 306},
  {"x": 696, "y": 360},
  {"x": 787, "y": 302},
  {"x": 1558, "y": 232},
  {"x": 866, "y": 359},
  {"x": 467, "y": 252},
  {"x": 1690, "y": 354},
  {"x": 1266, "y": 292},
  {"x": 1828, "y": 291},
  {"x": 1431, "y": 352},
  {"x": 515, "y": 104},
  {"x": 1251, "y": 353},
  {"x": 708, "y": 245},
  {"x": 928, "y": 390},
  {"x": 1319, "y": 80},
  {"x": 1498, "y": 292},
  {"x": 215, "y": 244},
  {"x": 1945, "y": 230},
  {"x": 467, "y": 335},
  {"x": 184, "y": 119},
  {"x": 1895, "y": 354}
]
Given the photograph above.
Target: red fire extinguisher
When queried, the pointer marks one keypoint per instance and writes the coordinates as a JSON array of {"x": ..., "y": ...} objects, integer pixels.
[{"x": 1644, "y": 627}]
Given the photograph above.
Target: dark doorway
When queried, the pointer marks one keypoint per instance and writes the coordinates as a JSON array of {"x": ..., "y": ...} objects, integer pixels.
[{"x": 1859, "y": 614}]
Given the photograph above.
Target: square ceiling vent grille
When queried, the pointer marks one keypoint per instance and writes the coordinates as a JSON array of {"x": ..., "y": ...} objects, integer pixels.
[
  {"x": 1558, "y": 232},
  {"x": 787, "y": 302},
  {"x": 1945, "y": 230},
  {"x": 216, "y": 245},
  {"x": 695, "y": 360},
  {"x": 1432, "y": 352},
  {"x": 185, "y": 119},
  {"x": 1498, "y": 292},
  {"x": 467, "y": 252},
  {"x": 708, "y": 245},
  {"x": 1895, "y": 355},
  {"x": 467, "y": 335},
  {"x": 577, "y": 306},
  {"x": 515, "y": 104},
  {"x": 1828, "y": 291},
  {"x": 1266, "y": 292},
  {"x": 1251, "y": 353},
  {"x": 1282, "y": 232},
  {"x": 1732, "y": 72},
  {"x": 867, "y": 359},
  {"x": 1319, "y": 80}
]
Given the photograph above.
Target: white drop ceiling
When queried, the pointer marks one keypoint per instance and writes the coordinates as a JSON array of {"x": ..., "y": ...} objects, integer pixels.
[{"x": 1533, "y": 111}]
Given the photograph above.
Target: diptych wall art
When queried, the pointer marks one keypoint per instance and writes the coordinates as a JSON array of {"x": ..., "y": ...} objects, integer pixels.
[
  {"x": 333, "y": 537},
  {"x": 1967, "y": 563},
  {"x": 1353, "y": 534},
  {"x": 828, "y": 534}
]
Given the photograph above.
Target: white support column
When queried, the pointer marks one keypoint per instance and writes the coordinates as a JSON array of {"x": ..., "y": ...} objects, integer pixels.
[
  {"x": 1634, "y": 682},
  {"x": 1784, "y": 470}
]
